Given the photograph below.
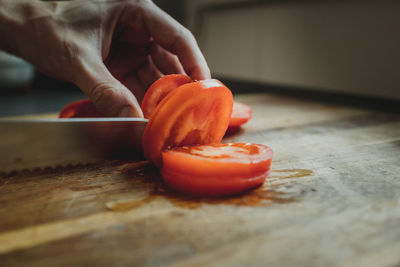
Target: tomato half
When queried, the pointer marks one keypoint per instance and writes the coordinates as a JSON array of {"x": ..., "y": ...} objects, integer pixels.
[
  {"x": 80, "y": 109},
  {"x": 159, "y": 89},
  {"x": 241, "y": 113},
  {"x": 216, "y": 170},
  {"x": 193, "y": 114}
]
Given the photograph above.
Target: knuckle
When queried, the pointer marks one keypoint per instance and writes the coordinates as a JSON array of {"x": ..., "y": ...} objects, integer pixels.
[
  {"x": 183, "y": 39},
  {"x": 186, "y": 35},
  {"x": 102, "y": 94},
  {"x": 140, "y": 3}
]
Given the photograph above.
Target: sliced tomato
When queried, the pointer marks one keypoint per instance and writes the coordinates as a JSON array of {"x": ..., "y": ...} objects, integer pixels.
[
  {"x": 234, "y": 159},
  {"x": 216, "y": 170},
  {"x": 80, "y": 109},
  {"x": 159, "y": 89},
  {"x": 211, "y": 186},
  {"x": 193, "y": 114},
  {"x": 241, "y": 113}
]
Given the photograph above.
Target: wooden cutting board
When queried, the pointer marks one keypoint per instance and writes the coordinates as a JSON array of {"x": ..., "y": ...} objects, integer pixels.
[{"x": 333, "y": 198}]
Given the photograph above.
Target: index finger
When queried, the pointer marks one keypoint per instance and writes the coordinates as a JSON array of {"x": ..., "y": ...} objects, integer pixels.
[{"x": 174, "y": 37}]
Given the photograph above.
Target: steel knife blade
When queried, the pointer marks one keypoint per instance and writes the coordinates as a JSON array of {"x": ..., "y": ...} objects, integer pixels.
[{"x": 40, "y": 143}]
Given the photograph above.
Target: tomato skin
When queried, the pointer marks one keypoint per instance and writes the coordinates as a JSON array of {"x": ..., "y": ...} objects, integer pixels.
[
  {"x": 186, "y": 160},
  {"x": 193, "y": 114},
  {"x": 216, "y": 170},
  {"x": 160, "y": 89},
  {"x": 80, "y": 109},
  {"x": 241, "y": 113},
  {"x": 211, "y": 186}
]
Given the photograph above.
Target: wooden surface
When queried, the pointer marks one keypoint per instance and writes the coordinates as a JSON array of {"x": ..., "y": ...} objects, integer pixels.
[{"x": 333, "y": 199}]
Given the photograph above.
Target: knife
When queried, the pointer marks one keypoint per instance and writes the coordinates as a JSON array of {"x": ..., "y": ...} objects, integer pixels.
[{"x": 28, "y": 144}]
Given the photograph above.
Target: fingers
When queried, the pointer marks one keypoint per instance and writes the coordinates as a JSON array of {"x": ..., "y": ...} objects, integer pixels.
[
  {"x": 133, "y": 83},
  {"x": 107, "y": 93},
  {"x": 138, "y": 81},
  {"x": 148, "y": 73},
  {"x": 166, "y": 62},
  {"x": 124, "y": 58},
  {"x": 128, "y": 62},
  {"x": 174, "y": 38}
]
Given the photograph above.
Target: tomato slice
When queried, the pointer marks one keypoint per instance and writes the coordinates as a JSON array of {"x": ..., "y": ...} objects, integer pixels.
[
  {"x": 211, "y": 186},
  {"x": 193, "y": 114},
  {"x": 233, "y": 159},
  {"x": 216, "y": 170},
  {"x": 241, "y": 113},
  {"x": 80, "y": 109},
  {"x": 159, "y": 89}
]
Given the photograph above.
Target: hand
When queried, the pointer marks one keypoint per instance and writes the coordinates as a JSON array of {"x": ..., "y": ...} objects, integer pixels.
[{"x": 112, "y": 50}]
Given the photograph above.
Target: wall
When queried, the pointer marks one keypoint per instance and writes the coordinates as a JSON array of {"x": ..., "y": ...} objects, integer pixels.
[{"x": 346, "y": 46}]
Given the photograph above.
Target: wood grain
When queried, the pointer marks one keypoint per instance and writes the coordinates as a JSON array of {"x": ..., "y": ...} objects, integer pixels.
[{"x": 333, "y": 198}]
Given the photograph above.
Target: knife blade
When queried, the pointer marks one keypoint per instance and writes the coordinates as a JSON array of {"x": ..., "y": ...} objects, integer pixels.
[{"x": 40, "y": 143}]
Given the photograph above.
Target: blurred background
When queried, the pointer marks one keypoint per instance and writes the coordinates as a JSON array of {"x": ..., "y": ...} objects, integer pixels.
[{"x": 342, "y": 50}]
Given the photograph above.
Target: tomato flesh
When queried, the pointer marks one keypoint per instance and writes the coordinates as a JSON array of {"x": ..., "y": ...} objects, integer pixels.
[
  {"x": 80, "y": 109},
  {"x": 193, "y": 114},
  {"x": 234, "y": 159},
  {"x": 241, "y": 113},
  {"x": 160, "y": 89},
  {"x": 216, "y": 170}
]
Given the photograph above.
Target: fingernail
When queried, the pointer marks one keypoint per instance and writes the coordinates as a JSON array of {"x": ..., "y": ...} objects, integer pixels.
[
  {"x": 129, "y": 112},
  {"x": 126, "y": 112}
]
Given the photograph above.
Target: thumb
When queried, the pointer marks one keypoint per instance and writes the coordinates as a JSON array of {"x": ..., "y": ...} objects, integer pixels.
[{"x": 108, "y": 94}]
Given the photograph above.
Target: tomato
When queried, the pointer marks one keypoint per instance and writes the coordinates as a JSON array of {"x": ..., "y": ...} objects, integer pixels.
[
  {"x": 211, "y": 186},
  {"x": 216, "y": 170},
  {"x": 193, "y": 114},
  {"x": 80, "y": 109},
  {"x": 234, "y": 159},
  {"x": 159, "y": 89},
  {"x": 241, "y": 113}
]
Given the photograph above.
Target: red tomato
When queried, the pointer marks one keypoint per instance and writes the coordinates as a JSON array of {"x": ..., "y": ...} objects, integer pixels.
[
  {"x": 80, "y": 109},
  {"x": 241, "y": 113},
  {"x": 160, "y": 89},
  {"x": 216, "y": 170},
  {"x": 193, "y": 114}
]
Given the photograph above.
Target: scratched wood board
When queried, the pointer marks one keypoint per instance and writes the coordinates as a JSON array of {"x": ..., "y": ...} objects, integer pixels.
[{"x": 333, "y": 198}]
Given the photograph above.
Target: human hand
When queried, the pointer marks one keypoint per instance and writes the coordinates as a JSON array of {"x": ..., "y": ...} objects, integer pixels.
[{"x": 112, "y": 50}]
